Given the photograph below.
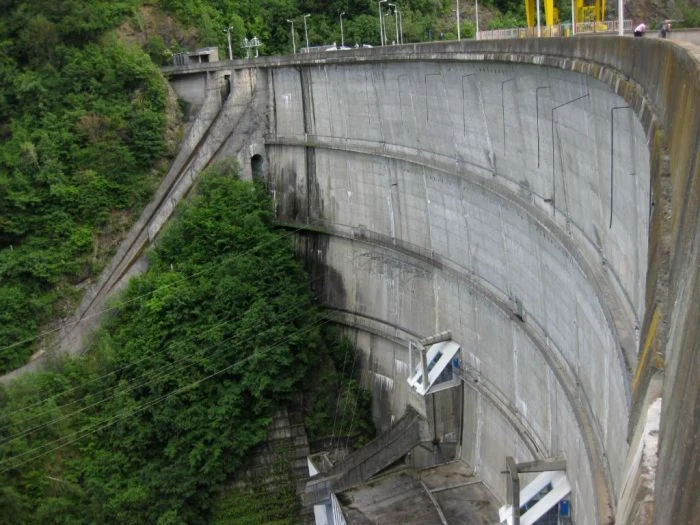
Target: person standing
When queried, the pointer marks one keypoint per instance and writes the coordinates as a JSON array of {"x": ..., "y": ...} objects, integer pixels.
[{"x": 665, "y": 29}]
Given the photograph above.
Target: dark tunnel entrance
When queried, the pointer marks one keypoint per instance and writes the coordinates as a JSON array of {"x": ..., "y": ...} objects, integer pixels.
[{"x": 257, "y": 166}]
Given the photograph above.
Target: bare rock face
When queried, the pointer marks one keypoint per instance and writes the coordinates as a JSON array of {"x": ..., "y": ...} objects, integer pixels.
[{"x": 651, "y": 11}]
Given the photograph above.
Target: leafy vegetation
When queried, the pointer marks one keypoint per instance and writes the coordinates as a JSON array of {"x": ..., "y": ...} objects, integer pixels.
[
  {"x": 82, "y": 119},
  {"x": 268, "y": 20},
  {"x": 690, "y": 14},
  {"x": 181, "y": 382}
]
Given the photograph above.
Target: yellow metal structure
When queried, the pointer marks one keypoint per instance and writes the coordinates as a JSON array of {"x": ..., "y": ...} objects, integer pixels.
[{"x": 586, "y": 11}]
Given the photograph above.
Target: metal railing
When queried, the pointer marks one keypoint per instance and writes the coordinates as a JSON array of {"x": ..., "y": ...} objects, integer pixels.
[{"x": 555, "y": 30}]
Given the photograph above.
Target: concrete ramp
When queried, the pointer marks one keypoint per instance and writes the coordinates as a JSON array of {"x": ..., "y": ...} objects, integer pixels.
[{"x": 378, "y": 454}]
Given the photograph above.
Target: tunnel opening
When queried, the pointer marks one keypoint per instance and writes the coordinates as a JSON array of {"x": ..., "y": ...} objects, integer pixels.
[
  {"x": 257, "y": 167},
  {"x": 226, "y": 88}
]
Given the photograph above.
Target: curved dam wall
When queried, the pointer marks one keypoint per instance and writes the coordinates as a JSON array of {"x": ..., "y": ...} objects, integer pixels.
[
  {"x": 524, "y": 200},
  {"x": 538, "y": 198},
  {"x": 440, "y": 215}
]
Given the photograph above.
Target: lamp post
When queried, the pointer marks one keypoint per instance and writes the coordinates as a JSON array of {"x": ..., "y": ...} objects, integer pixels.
[
  {"x": 342, "y": 35},
  {"x": 573, "y": 18},
  {"x": 306, "y": 32},
  {"x": 459, "y": 30},
  {"x": 381, "y": 27},
  {"x": 476, "y": 3},
  {"x": 401, "y": 26},
  {"x": 620, "y": 17},
  {"x": 294, "y": 42},
  {"x": 396, "y": 21},
  {"x": 228, "y": 34},
  {"x": 539, "y": 30}
]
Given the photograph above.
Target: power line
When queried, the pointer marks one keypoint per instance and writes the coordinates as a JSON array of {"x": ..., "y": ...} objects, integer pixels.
[
  {"x": 352, "y": 375},
  {"x": 170, "y": 365},
  {"x": 120, "y": 390},
  {"x": 337, "y": 401},
  {"x": 70, "y": 324},
  {"x": 113, "y": 419}
]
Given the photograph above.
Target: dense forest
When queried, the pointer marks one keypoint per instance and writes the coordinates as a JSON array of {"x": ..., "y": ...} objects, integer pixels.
[{"x": 180, "y": 384}]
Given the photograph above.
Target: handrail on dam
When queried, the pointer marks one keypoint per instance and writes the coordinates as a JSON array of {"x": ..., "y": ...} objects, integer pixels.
[{"x": 605, "y": 50}]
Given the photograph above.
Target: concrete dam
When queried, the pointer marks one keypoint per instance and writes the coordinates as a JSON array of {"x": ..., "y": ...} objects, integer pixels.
[{"x": 539, "y": 199}]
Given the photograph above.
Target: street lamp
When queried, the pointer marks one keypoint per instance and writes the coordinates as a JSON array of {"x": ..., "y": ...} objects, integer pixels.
[
  {"x": 401, "y": 26},
  {"x": 342, "y": 35},
  {"x": 459, "y": 29},
  {"x": 306, "y": 32},
  {"x": 294, "y": 42},
  {"x": 476, "y": 2},
  {"x": 620, "y": 18},
  {"x": 381, "y": 27},
  {"x": 396, "y": 21},
  {"x": 230, "y": 51}
]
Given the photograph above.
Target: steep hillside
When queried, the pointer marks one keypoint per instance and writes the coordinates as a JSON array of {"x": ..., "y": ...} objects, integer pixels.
[
  {"x": 83, "y": 120},
  {"x": 181, "y": 383}
]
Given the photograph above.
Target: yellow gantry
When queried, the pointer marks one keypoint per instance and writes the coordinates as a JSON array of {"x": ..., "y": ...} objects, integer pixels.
[{"x": 586, "y": 11}]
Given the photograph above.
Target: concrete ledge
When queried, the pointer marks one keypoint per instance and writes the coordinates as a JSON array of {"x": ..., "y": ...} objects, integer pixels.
[
  {"x": 613, "y": 300},
  {"x": 567, "y": 379},
  {"x": 475, "y": 380}
]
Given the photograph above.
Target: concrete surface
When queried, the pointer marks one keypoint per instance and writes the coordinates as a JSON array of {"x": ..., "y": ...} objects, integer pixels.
[
  {"x": 447, "y": 494},
  {"x": 417, "y": 156}
]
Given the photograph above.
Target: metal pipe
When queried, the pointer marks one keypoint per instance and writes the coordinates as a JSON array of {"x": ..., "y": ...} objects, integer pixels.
[
  {"x": 503, "y": 112},
  {"x": 612, "y": 155},
  {"x": 554, "y": 187},
  {"x": 537, "y": 118}
]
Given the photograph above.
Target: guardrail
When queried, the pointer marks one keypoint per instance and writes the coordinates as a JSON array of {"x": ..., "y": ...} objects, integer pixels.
[{"x": 556, "y": 30}]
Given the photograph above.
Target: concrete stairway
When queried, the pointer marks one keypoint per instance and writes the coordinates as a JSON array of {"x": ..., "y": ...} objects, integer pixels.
[{"x": 388, "y": 447}]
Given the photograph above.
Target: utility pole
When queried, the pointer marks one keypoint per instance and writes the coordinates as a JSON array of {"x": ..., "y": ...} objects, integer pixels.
[
  {"x": 396, "y": 21},
  {"x": 459, "y": 29},
  {"x": 342, "y": 35},
  {"x": 386, "y": 36},
  {"x": 573, "y": 18},
  {"x": 306, "y": 32},
  {"x": 401, "y": 26},
  {"x": 539, "y": 29},
  {"x": 228, "y": 34},
  {"x": 620, "y": 17},
  {"x": 381, "y": 26},
  {"x": 294, "y": 42},
  {"x": 477, "y": 19}
]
